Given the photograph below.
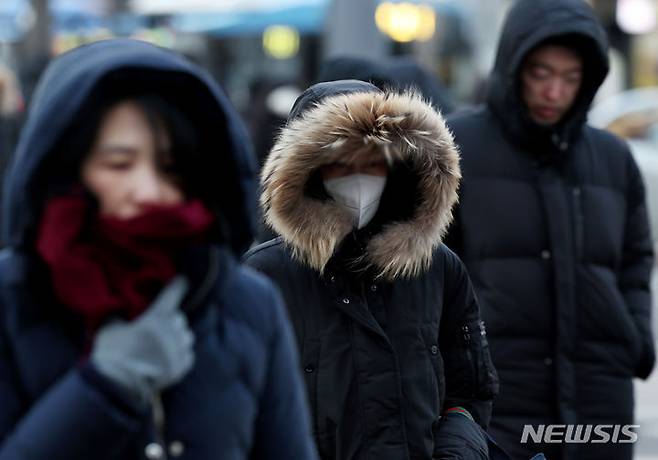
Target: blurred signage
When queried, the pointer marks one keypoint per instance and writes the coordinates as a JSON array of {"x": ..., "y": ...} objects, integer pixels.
[
  {"x": 304, "y": 17},
  {"x": 281, "y": 42},
  {"x": 66, "y": 41},
  {"x": 214, "y": 6},
  {"x": 406, "y": 22}
]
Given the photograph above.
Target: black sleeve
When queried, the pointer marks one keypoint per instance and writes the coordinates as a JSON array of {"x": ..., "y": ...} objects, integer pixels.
[
  {"x": 471, "y": 379},
  {"x": 637, "y": 263},
  {"x": 459, "y": 438}
]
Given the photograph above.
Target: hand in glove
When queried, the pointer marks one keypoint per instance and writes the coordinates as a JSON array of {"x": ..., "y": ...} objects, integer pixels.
[{"x": 150, "y": 353}]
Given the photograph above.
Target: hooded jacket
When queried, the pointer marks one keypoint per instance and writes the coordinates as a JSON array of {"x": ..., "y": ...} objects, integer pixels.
[
  {"x": 552, "y": 227},
  {"x": 244, "y": 397},
  {"x": 385, "y": 319}
]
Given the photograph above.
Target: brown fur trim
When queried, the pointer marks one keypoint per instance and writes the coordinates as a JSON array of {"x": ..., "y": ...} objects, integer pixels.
[{"x": 399, "y": 126}]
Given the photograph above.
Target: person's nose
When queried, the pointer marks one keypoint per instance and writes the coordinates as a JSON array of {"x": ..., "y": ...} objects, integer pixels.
[
  {"x": 554, "y": 90},
  {"x": 149, "y": 187}
]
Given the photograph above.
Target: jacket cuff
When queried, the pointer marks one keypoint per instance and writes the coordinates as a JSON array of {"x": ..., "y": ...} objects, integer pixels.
[{"x": 460, "y": 410}]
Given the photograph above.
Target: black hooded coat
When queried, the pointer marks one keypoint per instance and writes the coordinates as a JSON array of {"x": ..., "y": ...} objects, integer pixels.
[
  {"x": 385, "y": 318},
  {"x": 244, "y": 398},
  {"x": 552, "y": 227}
]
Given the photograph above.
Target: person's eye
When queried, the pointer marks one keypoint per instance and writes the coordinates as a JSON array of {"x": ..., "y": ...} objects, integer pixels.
[
  {"x": 118, "y": 165},
  {"x": 540, "y": 74},
  {"x": 573, "y": 79}
]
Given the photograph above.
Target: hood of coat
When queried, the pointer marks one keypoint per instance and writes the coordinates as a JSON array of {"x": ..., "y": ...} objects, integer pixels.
[
  {"x": 123, "y": 67},
  {"x": 528, "y": 24},
  {"x": 350, "y": 121}
]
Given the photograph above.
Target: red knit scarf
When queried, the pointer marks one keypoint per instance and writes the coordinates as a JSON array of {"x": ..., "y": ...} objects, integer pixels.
[{"x": 104, "y": 266}]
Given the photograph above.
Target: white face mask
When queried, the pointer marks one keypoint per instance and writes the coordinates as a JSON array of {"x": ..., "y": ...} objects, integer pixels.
[{"x": 359, "y": 194}]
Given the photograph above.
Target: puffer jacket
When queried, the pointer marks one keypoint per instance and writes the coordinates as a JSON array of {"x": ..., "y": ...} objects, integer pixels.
[{"x": 552, "y": 227}]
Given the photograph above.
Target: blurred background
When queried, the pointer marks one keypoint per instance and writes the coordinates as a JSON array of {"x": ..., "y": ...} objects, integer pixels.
[{"x": 264, "y": 52}]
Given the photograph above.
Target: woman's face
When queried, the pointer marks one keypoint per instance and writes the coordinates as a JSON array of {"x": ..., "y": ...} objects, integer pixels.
[{"x": 124, "y": 170}]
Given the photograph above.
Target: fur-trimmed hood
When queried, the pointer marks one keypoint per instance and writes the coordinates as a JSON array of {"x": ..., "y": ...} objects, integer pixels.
[{"x": 348, "y": 120}]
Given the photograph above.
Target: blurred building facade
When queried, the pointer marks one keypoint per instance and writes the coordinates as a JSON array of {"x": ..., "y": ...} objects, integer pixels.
[{"x": 244, "y": 41}]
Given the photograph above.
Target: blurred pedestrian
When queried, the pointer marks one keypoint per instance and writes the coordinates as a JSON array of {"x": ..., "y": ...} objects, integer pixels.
[
  {"x": 270, "y": 103},
  {"x": 127, "y": 329},
  {"x": 399, "y": 73},
  {"x": 360, "y": 186},
  {"x": 552, "y": 226},
  {"x": 268, "y": 110}
]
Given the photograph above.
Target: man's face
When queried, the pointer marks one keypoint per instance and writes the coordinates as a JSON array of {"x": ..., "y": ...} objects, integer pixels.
[{"x": 551, "y": 78}]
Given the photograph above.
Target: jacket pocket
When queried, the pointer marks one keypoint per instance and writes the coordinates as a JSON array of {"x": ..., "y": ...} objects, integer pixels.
[{"x": 608, "y": 313}]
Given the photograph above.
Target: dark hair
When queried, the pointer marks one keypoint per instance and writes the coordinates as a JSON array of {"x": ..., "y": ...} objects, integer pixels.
[
  {"x": 576, "y": 43},
  {"x": 183, "y": 139}
]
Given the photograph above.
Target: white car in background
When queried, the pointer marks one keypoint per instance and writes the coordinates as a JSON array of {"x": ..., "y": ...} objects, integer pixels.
[{"x": 633, "y": 115}]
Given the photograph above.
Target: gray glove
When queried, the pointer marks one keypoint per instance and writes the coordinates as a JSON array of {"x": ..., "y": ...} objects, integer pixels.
[{"x": 150, "y": 353}]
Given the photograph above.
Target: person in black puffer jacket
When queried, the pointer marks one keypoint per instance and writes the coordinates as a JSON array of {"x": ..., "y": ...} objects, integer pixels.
[{"x": 552, "y": 227}]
